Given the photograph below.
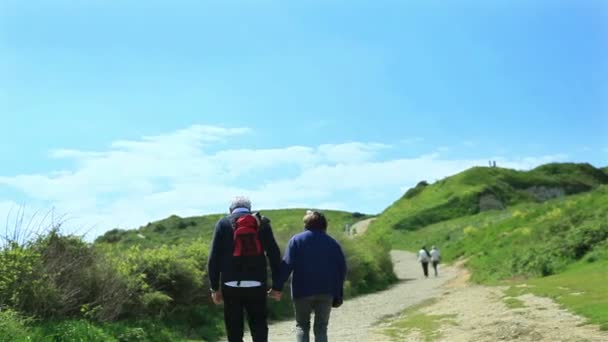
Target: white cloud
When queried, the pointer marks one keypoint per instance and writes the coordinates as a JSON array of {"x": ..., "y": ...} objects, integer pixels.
[
  {"x": 137, "y": 181},
  {"x": 469, "y": 143}
]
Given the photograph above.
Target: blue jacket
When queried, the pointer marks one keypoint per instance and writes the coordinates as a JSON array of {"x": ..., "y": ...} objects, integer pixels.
[{"x": 317, "y": 263}]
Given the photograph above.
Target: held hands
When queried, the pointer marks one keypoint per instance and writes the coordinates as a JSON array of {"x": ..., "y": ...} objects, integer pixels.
[
  {"x": 274, "y": 294},
  {"x": 217, "y": 297}
]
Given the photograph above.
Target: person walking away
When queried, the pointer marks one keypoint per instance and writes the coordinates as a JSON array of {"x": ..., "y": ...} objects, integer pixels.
[
  {"x": 319, "y": 270},
  {"x": 435, "y": 258},
  {"x": 241, "y": 243},
  {"x": 424, "y": 257}
]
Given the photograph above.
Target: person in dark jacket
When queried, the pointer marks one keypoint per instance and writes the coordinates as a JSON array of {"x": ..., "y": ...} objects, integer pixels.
[
  {"x": 242, "y": 289},
  {"x": 319, "y": 271}
]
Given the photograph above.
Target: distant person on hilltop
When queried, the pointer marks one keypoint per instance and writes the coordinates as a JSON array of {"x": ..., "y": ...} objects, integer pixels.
[
  {"x": 241, "y": 243},
  {"x": 319, "y": 271},
  {"x": 423, "y": 257},
  {"x": 435, "y": 258}
]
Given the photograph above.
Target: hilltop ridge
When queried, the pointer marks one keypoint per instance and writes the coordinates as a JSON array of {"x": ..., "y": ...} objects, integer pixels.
[{"x": 480, "y": 189}]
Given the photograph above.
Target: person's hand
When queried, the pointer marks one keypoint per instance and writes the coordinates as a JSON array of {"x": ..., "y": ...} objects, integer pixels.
[
  {"x": 217, "y": 297},
  {"x": 337, "y": 302},
  {"x": 274, "y": 294}
]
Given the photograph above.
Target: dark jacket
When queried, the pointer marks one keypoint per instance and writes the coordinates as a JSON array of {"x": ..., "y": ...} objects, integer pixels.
[
  {"x": 221, "y": 264},
  {"x": 317, "y": 263}
]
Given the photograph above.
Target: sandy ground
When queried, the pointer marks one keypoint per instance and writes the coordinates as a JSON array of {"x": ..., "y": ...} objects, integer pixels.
[
  {"x": 480, "y": 314},
  {"x": 354, "y": 320}
]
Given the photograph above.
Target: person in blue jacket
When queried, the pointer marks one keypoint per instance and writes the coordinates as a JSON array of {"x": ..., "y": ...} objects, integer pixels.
[{"x": 319, "y": 270}]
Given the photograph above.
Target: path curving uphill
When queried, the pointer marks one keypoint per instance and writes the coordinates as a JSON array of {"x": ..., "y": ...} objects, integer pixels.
[{"x": 360, "y": 227}]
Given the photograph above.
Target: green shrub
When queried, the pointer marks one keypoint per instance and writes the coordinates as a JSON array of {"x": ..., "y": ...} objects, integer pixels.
[
  {"x": 413, "y": 192},
  {"x": 17, "y": 270},
  {"x": 133, "y": 335},
  {"x": 164, "y": 270},
  {"x": 13, "y": 327},
  {"x": 72, "y": 275},
  {"x": 59, "y": 277},
  {"x": 156, "y": 303},
  {"x": 111, "y": 236},
  {"x": 77, "y": 331}
]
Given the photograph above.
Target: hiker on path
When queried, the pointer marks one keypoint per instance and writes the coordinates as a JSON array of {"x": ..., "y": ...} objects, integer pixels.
[
  {"x": 435, "y": 258},
  {"x": 237, "y": 256},
  {"x": 423, "y": 257},
  {"x": 319, "y": 271}
]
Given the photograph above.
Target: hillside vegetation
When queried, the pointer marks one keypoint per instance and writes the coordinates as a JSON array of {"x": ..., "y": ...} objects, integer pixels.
[
  {"x": 481, "y": 188},
  {"x": 369, "y": 264},
  {"x": 526, "y": 240},
  {"x": 557, "y": 245},
  {"x": 147, "y": 284}
]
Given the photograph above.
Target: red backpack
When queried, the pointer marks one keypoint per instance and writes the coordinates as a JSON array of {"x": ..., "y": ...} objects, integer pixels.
[{"x": 246, "y": 238}]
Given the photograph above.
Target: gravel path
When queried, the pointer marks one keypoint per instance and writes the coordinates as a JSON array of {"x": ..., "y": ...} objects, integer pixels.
[
  {"x": 353, "y": 320},
  {"x": 479, "y": 313},
  {"x": 360, "y": 227}
]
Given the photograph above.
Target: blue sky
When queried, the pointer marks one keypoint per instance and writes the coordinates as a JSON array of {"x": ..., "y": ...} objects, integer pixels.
[{"x": 119, "y": 112}]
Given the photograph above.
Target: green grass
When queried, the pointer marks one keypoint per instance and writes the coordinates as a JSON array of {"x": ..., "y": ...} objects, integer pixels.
[
  {"x": 460, "y": 195},
  {"x": 526, "y": 240},
  {"x": 514, "y": 303},
  {"x": 581, "y": 289},
  {"x": 129, "y": 331},
  {"x": 411, "y": 319},
  {"x": 175, "y": 230}
]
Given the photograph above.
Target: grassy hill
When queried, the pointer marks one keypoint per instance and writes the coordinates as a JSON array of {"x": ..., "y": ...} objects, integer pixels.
[
  {"x": 558, "y": 249},
  {"x": 176, "y": 230},
  {"x": 481, "y": 188},
  {"x": 525, "y": 240},
  {"x": 547, "y": 227}
]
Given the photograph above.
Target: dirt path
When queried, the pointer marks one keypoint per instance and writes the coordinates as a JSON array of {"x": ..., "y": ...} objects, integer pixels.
[
  {"x": 479, "y": 313},
  {"x": 354, "y": 319},
  {"x": 360, "y": 227}
]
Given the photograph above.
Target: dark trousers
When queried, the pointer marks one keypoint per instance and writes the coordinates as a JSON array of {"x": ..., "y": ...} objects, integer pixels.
[
  {"x": 425, "y": 268},
  {"x": 321, "y": 306},
  {"x": 435, "y": 263},
  {"x": 250, "y": 299}
]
